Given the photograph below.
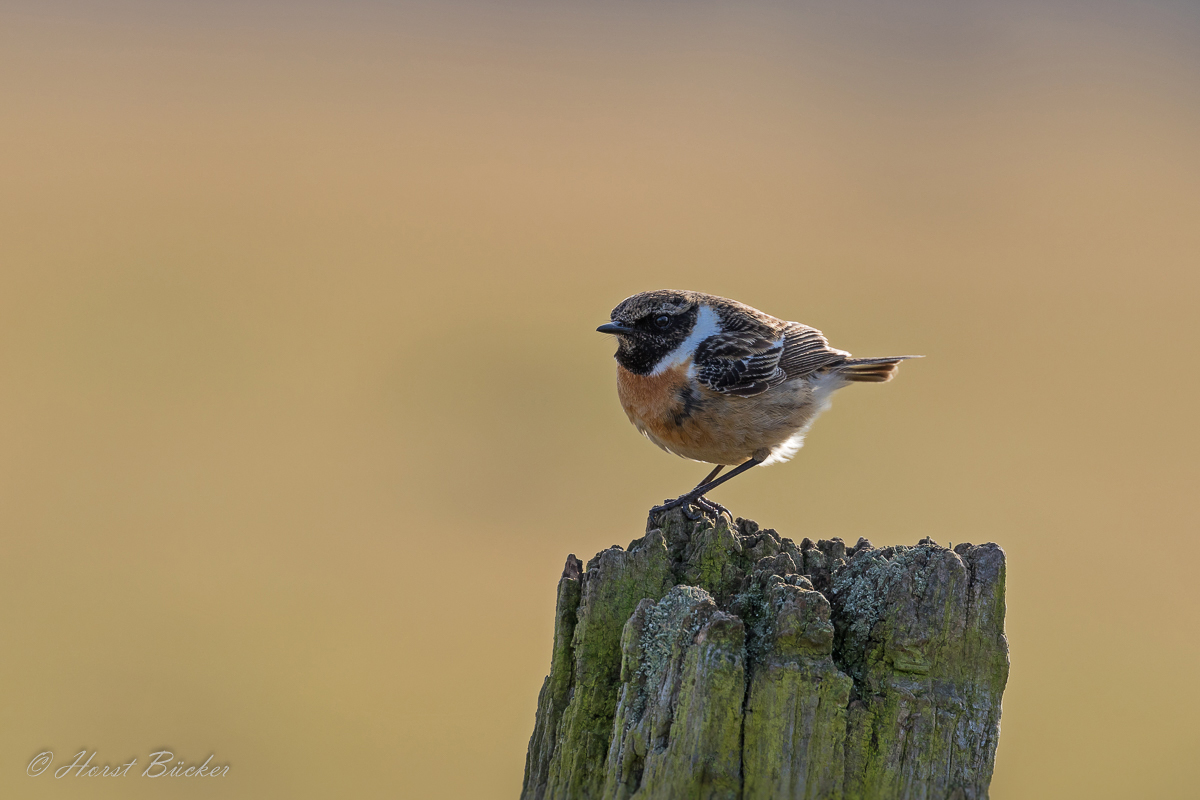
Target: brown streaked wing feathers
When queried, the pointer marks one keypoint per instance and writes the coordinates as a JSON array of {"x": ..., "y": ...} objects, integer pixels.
[
  {"x": 741, "y": 363},
  {"x": 807, "y": 351}
]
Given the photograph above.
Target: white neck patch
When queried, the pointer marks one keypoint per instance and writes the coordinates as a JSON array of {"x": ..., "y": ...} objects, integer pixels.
[{"x": 707, "y": 324}]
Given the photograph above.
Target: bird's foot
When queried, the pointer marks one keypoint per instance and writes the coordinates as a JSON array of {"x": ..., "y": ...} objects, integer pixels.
[{"x": 691, "y": 501}]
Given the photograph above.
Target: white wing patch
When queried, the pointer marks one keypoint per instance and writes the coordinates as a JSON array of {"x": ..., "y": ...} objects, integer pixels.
[{"x": 707, "y": 324}]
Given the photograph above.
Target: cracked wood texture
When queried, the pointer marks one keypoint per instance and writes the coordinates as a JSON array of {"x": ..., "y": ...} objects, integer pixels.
[{"x": 717, "y": 661}]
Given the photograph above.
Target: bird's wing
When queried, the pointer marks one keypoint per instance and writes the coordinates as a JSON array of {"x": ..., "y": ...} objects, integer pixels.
[
  {"x": 740, "y": 363},
  {"x": 806, "y": 351}
]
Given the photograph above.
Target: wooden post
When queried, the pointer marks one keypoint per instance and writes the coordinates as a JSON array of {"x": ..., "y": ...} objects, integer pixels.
[{"x": 717, "y": 661}]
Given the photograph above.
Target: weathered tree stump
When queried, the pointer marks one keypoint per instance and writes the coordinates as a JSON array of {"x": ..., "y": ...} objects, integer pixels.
[{"x": 714, "y": 662}]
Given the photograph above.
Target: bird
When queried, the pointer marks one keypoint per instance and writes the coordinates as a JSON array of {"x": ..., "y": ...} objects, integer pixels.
[{"x": 717, "y": 381}]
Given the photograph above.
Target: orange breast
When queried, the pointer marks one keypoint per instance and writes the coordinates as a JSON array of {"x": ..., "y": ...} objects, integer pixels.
[
  {"x": 647, "y": 399},
  {"x": 693, "y": 422},
  {"x": 669, "y": 411}
]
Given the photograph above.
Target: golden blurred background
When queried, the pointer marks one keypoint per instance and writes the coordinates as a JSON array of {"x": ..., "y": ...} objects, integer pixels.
[{"x": 302, "y": 407}]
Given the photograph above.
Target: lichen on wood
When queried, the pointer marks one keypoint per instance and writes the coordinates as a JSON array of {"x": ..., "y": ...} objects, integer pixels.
[{"x": 716, "y": 661}]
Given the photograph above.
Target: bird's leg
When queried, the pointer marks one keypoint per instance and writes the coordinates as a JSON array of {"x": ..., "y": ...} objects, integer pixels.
[
  {"x": 696, "y": 496},
  {"x": 711, "y": 483},
  {"x": 703, "y": 503},
  {"x": 711, "y": 475}
]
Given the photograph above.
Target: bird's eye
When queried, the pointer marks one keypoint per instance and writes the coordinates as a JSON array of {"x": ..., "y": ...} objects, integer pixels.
[{"x": 662, "y": 321}]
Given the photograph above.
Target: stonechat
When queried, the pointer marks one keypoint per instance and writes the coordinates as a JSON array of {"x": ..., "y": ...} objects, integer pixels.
[{"x": 714, "y": 380}]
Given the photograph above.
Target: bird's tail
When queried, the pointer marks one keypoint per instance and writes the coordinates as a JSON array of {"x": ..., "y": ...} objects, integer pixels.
[{"x": 870, "y": 370}]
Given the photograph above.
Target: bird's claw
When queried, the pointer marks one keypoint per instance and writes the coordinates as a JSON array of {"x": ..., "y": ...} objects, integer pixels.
[{"x": 688, "y": 502}]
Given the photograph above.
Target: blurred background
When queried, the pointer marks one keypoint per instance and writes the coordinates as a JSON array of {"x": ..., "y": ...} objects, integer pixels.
[{"x": 302, "y": 407}]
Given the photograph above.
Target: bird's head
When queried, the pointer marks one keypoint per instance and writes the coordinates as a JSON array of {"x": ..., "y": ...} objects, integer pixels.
[{"x": 655, "y": 329}]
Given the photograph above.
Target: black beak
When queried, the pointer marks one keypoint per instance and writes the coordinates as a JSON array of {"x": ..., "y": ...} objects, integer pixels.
[{"x": 614, "y": 328}]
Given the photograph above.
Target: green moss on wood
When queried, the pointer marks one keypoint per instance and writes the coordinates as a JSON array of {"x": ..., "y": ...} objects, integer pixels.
[
  {"x": 556, "y": 689},
  {"x": 615, "y": 581},
  {"x": 920, "y": 629},
  {"x": 772, "y": 670},
  {"x": 678, "y": 723}
]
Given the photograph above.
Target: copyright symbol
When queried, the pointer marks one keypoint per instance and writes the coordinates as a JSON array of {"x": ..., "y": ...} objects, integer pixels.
[{"x": 39, "y": 764}]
